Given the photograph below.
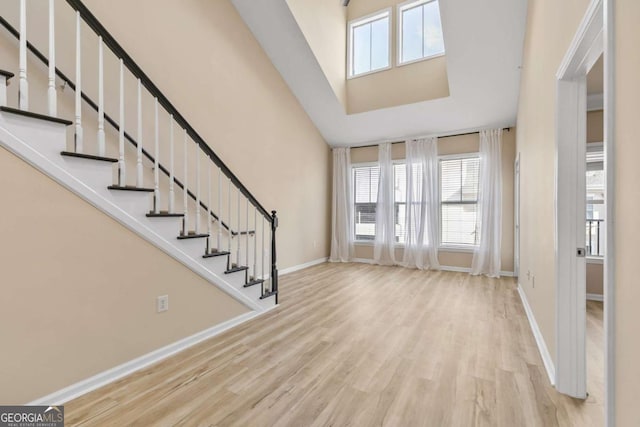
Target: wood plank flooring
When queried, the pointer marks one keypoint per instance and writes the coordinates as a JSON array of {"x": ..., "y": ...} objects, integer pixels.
[{"x": 357, "y": 345}]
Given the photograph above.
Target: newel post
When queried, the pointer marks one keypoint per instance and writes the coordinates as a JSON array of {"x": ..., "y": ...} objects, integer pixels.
[{"x": 274, "y": 268}]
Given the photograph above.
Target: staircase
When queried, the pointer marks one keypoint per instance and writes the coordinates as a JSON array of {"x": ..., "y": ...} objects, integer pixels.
[{"x": 190, "y": 205}]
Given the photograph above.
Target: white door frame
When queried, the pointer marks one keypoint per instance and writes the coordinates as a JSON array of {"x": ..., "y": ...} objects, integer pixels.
[{"x": 592, "y": 39}]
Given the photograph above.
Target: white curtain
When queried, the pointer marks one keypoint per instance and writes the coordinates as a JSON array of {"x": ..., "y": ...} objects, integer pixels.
[
  {"x": 486, "y": 258},
  {"x": 421, "y": 213},
  {"x": 342, "y": 207},
  {"x": 384, "y": 244}
]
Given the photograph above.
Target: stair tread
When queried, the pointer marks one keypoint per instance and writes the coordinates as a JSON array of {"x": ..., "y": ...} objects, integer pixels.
[
  {"x": 236, "y": 268},
  {"x": 268, "y": 294},
  {"x": 89, "y": 156},
  {"x": 215, "y": 254},
  {"x": 35, "y": 115},
  {"x": 191, "y": 235},
  {"x": 6, "y": 74},
  {"x": 164, "y": 214},
  {"x": 253, "y": 282},
  {"x": 130, "y": 188}
]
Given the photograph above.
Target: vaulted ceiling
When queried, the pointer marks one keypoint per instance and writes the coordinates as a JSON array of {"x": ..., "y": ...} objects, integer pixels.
[{"x": 484, "y": 43}]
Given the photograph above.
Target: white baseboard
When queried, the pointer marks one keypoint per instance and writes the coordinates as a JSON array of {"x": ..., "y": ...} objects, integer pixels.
[
  {"x": 595, "y": 297},
  {"x": 442, "y": 267},
  {"x": 302, "y": 266},
  {"x": 542, "y": 346},
  {"x": 103, "y": 378}
]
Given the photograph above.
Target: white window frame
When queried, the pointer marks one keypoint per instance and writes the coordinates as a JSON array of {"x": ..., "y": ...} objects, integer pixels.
[
  {"x": 450, "y": 247},
  {"x": 399, "y": 9},
  {"x": 387, "y": 12}
]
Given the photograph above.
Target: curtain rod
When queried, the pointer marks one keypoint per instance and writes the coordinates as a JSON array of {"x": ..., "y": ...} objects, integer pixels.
[{"x": 444, "y": 136}]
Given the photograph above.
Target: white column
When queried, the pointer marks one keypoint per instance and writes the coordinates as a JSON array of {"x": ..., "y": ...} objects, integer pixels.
[
  {"x": 78, "y": 135},
  {"x": 52, "y": 97},
  {"x": 198, "y": 189},
  {"x": 101, "y": 136},
  {"x": 156, "y": 166},
  {"x": 23, "y": 90},
  {"x": 172, "y": 201},
  {"x": 139, "y": 172},
  {"x": 185, "y": 195},
  {"x": 121, "y": 165},
  {"x": 219, "y": 209}
]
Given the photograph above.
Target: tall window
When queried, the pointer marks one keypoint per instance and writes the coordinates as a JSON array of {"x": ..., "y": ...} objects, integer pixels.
[
  {"x": 365, "y": 179},
  {"x": 369, "y": 44},
  {"x": 459, "y": 201},
  {"x": 595, "y": 200},
  {"x": 420, "y": 31}
]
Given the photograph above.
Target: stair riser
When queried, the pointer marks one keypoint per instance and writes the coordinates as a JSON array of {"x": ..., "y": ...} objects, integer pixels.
[{"x": 47, "y": 138}]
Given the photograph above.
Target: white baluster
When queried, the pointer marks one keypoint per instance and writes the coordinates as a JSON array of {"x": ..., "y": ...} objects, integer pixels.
[
  {"x": 239, "y": 235},
  {"x": 198, "y": 189},
  {"x": 219, "y": 208},
  {"x": 23, "y": 90},
  {"x": 209, "y": 206},
  {"x": 79, "y": 148},
  {"x": 156, "y": 166},
  {"x": 185, "y": 191},
  {"x": 121, "y": 165},
  {"x": 52, "y": 96},
  {"x": 269, "y": 258},
  {"x": 262, "y": 253},
  {"x": 139, "y": 172},
  {"x": 171, "y": 169},
  {"x": 101, "y": 136}
]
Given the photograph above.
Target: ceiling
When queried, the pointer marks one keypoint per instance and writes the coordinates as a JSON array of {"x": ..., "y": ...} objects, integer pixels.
[{"x": 484, "y": 42}]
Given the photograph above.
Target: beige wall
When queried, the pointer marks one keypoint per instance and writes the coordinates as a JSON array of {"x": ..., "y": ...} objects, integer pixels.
[
  {"x": 459, "y": 145},
  {"x": 550, "y": 28},
  {"x": 79, "y": 290},
  {"x": 595, "y": 126},
  {"x": 627, "y": 203},
  {"x": 417, "y": 82},
  {"x": 595, "y": 278},
  {"x": 323, "y": 24}
]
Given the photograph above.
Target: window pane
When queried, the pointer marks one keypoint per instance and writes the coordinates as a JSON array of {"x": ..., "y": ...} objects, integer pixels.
[
  {"x": 365, "y": 182},
  {"x": 433, "y": 39},
  {"x": 380, "y": 44},
  {"x": 412, "y": 34},
  {"x": 362, "y": 49},
  {"x": 459, "y": 224},
  {"x": 400, "y": 197},
  {"x": 470, "y": 175}
]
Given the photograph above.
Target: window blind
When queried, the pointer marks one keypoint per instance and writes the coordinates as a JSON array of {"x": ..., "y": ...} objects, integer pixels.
[{"x": 459, "y": 201}]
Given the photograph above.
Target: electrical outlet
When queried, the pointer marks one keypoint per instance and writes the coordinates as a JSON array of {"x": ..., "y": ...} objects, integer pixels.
[{"x": 162, "y": 303}]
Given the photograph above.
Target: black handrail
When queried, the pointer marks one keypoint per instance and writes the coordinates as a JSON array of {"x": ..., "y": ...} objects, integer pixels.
[
  {"x": 131, "y": 65},
  {"x": 120, "y": 53}
]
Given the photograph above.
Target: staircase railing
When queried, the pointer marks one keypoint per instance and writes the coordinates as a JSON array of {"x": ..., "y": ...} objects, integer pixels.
[{"x": 255, "y": 266}]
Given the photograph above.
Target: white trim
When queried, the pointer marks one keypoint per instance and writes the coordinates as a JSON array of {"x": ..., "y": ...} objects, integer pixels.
[
  {"x": 103, "y": 378},
  {"x": 363, "y": 260},
  {"x": 595, "y": 260},
  {"x": 542, "y": 346},
  {"x": 595, "y": 297},
  {"x": 298, "y": 267},
  {"x": 364, "y": 20},
  {"x": 458, "y": 248},
  {"x": 56, "y": 172},
  {"x": 609, "y": 225}
]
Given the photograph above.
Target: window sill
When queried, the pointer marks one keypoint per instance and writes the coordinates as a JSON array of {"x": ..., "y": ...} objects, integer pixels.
[
  {"x": 595, "y": 260},
  {"x": 453, "y": 248},
  {"x": 415, "y": 61},
  {"x": 368, "y": 73}
]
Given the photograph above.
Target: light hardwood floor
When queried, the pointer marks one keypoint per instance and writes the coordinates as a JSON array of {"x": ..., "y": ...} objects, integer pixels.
[{"x": 359, "y": 345}]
